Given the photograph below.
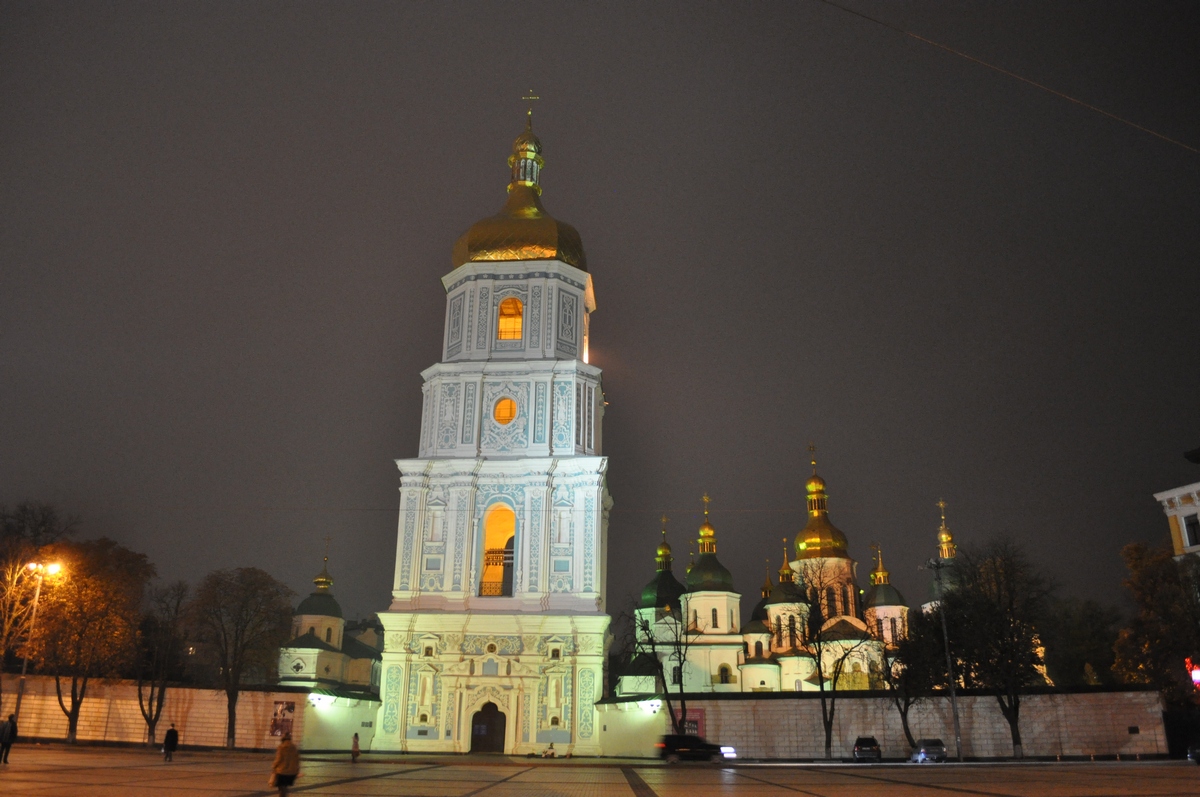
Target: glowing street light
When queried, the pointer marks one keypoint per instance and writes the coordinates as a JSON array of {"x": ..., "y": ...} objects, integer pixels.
[{"x": 41, "y": 570}]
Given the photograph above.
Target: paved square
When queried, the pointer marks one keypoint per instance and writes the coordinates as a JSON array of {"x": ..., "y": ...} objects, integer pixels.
[{"x": 54, "y": 770}]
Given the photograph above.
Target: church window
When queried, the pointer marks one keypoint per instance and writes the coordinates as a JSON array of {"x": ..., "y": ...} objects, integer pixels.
[
  {"x": 695, "y": 618},
  {"x": 731, "y": 628},
  {"x": 830, "y": 602},
  {"x": 328, "y": 634},
  {"x": 723, "y": 674},
  {"x": 714, "y": 618},
  {"x": 312, "y": 629},
  {"x": 1191, "y": 527},
  {"x": 779, "y": 633},
  {"x": 424, "y": 719},
  {"x": 428, "y": 651},
  {"x": 792, "y": 630},
  {"x": 554, "y": 722},
  {"x": 758, "y": 650},
  {"x": 848, "y": 599},
  {"x": 504, "y": 411},
  {"x": 556, "y": 654},
  {"x": 511, "y": 312},
  {"x": 895, "y": 636},
  {"x": 879, "y": 627},
  {"x": 676, "y": 674}
]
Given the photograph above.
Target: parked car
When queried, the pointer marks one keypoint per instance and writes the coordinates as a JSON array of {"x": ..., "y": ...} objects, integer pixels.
[
  {"x": 1194, "y": 753},
  {"x": 866, "y": 748},
  {"x": 678, "y": 747},
  {"x": 929, "y": 750}
]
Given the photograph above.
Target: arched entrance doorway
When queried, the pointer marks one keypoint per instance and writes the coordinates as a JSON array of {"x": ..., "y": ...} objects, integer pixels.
[{"x": 487, "y": 730}]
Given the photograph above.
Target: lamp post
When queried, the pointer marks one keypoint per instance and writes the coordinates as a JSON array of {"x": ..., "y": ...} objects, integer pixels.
[
  {"x": 41, "y": 570},
  {"x": 937, "y": 566}
]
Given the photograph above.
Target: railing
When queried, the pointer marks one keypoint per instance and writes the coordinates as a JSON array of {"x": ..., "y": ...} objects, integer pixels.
[{"x": 491, "y": 589}]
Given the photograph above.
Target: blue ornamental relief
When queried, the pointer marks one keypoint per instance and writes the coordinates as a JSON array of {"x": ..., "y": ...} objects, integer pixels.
[
  {"x": 535, "y": 316},
  {"x": 504, "y": 438},
  {"x": 410, "y": 524},
  {"x": 468, "y": 423},
  {"x": 470, "y": 317},
  {"x": 482, "y": 325},
  {"x": 537, "y": 530},
  {"x": 589, "y": 528},
  {"x": 549, "y": 339},
  {"x": 460, "y": 539},
  {"x": 448, "y": 415},
  {"x": 525, "y": 719},
  {"x": 567, "y": 304},
  {"x": 562, "y": 415},
  {"x": 587, "y": 699},
  {"x": 539, "y": 413},
  {"x": 391, "y": 699},
  {"x": 454, "y": 340}
]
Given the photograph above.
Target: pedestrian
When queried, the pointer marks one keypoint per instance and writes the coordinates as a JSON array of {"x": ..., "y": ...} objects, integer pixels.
[
  {"x": 8, "y": 735},
  {"x": 355, "y": 752},
  {"x": 286, "y": 766},
  {"x": 170, "y": 743}
]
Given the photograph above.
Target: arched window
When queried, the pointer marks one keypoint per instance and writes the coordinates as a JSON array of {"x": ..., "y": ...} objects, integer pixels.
[
  {"x": 328, "y": 634},
  {"x": 779, "y": 633},
  {"x": 879, "y": 627},
  {"x": 714, "y": 616},
  {"x": 499, "y": 525},
  {"x": 554, "y": 722},
  {"x": 792, "y": 630},
  {"x": 830, "y": 602},
  {"x": 848, "y": 600},
  {"x": 312, "y": 630},
  {"x": 424, "y": 719},
  {"x": 695, "y": 618},
  {"x": 676, "y": 674},
  {"x": 723, "y": 674},
  {"x": 509, "y": 327},
  {"x": 758, "y": 650},
  {"x": 895, "y": 631}
]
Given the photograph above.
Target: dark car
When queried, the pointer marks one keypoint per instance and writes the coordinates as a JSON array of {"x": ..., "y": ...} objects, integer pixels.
[
  {"x": 676, "y": 748},
  {"x": 866, "y": 748},
  {"x": 1194, "y": 753},
  {"x": 929, "y": 750}
]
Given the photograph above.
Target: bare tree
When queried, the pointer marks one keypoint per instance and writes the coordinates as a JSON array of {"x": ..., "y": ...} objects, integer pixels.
[
  {"x": 994, "y": 611},
  {"x": 917, "y": 668},
  {"x": 662, "y": 644},
  {"x": 832, "y": 647},
  {"x": 239, "y": 619},
  {"x": 159, "y": 654}
]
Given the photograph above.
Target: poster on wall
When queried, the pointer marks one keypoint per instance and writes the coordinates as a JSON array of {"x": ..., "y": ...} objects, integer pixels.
[
  {"x": 281, "y": 718},
  {"x": 693, "y": 722}
]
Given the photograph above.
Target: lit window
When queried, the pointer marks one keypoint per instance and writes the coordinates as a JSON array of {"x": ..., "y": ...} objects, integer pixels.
[
  {"x": 510, "y": 319},
  {"x": 504, "y": 411}
]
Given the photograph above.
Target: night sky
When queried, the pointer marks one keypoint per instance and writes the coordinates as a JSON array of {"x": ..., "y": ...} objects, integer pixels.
[{"x": 222, "y": 228}]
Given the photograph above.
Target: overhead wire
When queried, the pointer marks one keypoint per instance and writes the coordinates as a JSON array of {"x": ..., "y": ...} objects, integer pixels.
[{"x": 1011, "y": 74}]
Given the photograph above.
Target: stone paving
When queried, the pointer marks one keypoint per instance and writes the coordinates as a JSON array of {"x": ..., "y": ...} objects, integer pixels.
[{"x": 52, "y": 770}]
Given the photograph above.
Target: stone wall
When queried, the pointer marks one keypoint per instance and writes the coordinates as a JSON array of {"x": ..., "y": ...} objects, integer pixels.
[
  {"x": 788, "y": 726},
  {"x": 110, "y": 713}
]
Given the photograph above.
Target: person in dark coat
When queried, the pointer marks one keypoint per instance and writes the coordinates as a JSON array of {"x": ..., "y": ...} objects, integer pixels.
[
  {"x": 170, "y": 743},
  {"x": 8, "y": 735}
]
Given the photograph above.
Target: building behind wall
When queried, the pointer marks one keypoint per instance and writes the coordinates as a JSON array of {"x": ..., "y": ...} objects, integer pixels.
[{"x": 495, "y": 637}]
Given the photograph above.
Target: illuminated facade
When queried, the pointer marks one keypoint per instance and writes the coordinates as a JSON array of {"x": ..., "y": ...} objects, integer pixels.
[
  {"x": 1182, "y": 507},
  {"x": 777, "y": 650},
  {"x": 494, "y": 640}
]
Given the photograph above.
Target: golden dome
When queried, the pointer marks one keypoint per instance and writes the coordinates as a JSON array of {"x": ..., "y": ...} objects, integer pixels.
[
  {"x": 522, "y": 230},
  {"x": 819, "y": 539}
]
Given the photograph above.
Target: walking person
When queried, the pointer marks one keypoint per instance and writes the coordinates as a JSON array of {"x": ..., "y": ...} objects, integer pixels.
[
  {"x": 355, "y": 752},
  {"x": 8, "y": 735},
  {"x": 170, "y": 743},
  {"x": 286, "y": 766}
]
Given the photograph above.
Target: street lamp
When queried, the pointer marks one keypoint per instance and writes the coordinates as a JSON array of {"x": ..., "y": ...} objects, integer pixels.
[{"x": 41, "y": 571}]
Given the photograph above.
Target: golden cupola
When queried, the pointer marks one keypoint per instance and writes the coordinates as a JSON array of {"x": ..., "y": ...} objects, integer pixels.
[
  {"x": 946, "y": 547},
  {"x": 522, "y": 230},
  {"x": 819, "y": 539}
]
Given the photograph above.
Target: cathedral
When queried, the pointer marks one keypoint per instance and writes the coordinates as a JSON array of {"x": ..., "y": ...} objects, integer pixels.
[
  {"x": 815, "y": 629},
  {"x": 495, "y": 637}
]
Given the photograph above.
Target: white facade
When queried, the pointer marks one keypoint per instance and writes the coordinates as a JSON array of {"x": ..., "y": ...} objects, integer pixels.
[{"x": 1182, "y": 508}]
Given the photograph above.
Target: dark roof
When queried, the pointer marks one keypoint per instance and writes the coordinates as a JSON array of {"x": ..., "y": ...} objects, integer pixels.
[
  {"x": 844, "y": 629},
  {"x": 708, "y": 574},
  {"x": 359, "y": 650},
  {"x": 883, "y": 595},
  {"x": 760, "y": 660},
  {"x": 755, "y": 626},
  {"x": 310, "y": 640},
  {"x": 662, "y": 591},
  {"x": 320, "y": 603},
  {"x": 786, "y": 592}
]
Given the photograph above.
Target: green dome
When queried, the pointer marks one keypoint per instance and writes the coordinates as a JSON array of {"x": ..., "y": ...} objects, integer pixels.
[
  {"x": 883, "y": 595},
  {"x": 663, "y": 591},
  {"x": 321, "y": 603},
  {"x": 709, "y": 575}
]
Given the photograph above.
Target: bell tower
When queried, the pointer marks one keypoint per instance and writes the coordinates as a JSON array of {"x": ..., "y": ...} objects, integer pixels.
[{"x": 499, "y": 590}]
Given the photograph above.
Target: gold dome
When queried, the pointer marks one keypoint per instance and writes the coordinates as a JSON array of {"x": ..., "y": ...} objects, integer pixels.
[
  {"x": 522, "y": 230},
  {"x": 819, "y": 539}
]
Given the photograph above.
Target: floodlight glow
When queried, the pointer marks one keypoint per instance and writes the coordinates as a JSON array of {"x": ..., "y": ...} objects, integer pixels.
[{"x": 53, "y": 569}]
